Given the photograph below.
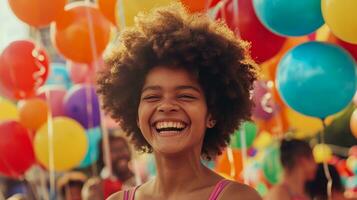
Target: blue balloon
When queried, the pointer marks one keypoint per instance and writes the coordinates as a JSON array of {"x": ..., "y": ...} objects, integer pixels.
[
  {"x": 317, "y": 79},
  {"x": 59, "y": 76},
  {"x": 290, "y": 18},
  {"x": 94, "y": 135}
]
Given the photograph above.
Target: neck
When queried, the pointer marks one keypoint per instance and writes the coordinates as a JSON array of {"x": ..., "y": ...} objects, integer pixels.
[
  {"x": 180, "y": 174},
  {"x": 295, "y": 180}
]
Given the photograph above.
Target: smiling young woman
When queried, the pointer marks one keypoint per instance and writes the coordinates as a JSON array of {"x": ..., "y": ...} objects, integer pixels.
[{"x": 179, "y": 84}]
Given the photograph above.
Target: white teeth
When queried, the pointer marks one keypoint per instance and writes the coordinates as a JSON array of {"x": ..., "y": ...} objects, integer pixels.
[{"x": 168, "y": 124}]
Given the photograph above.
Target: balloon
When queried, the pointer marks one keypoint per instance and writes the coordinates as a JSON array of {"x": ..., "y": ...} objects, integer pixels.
[
  {"x": 322, "y": 153},
  {"x": 71, "y": 34},
  {"x": 250, "y": 130},
  {"x": 263, "y": 140},
  {"x": 317, "y": 79},
  {"x": 264, "y": 105},
  {"x": 8, "y": 110},
  {"x": 54, "y": 98},
  {"x": 269, "y": 67},
  {"x": 108, "y": 7},
  {"x": 262, "y": 189},
  {"x": 131, "y": 8},
  {"x": 264, "y": 44},
  {"x": 84, "y": 73},
  {"x": 33, "y": 113},
  {"x": 285, "y": 17},
  {"x": 353, "y": 151},
  {"x": 353, "y": 123},
  {"x": 340, "y": 16},
  {"x": 59, "y": 76},
  {"x": 23, "y": 69},
  {"x": 16, "y": 151},
  {"x": 303, "y": 126},
  {"x": 351, "y": 48},
  {"x": 93, "y": 135},
  {"x": 272, "y": 168},
  {"x": 223, "y": 164},
  {"x": 37, "y": 13},
  {"x": 76, "y": 103},
  {"x": 351, "y": 163},
  {"x": 195, "y": 6},
  {"x": 69, "y": 142}
]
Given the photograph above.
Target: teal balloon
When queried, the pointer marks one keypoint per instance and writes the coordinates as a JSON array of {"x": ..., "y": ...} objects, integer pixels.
[
  {"x": 250, "y": 130},
  {"x": 290, "y": 18},
  {"x": 272, "y": 168},
  {"x": 317, "y": 79},
  {"x": 59, "y": 76},
  {"x": 94, "y": 135}
]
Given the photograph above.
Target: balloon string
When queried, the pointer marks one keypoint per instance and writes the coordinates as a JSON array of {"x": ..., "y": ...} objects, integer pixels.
[
  {"x": 230, "y": 157},
  {"x": 120, "y": 8},
  {"x": 50, "y": 145},
  {"x": 106, "y": 150},
  {"x": 325, "y": 164},
  {"x": 244, "y": 152},
  {"x": 236, "y": 17}
]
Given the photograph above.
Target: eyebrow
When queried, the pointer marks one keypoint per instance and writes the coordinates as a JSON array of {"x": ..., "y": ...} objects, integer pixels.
[{"x": 181, "y": 87}]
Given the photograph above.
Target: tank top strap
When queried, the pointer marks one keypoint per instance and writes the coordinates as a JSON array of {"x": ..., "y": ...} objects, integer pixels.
[
  {"x": 130, "y": 194},
  {"x": 218, "y": 189}
]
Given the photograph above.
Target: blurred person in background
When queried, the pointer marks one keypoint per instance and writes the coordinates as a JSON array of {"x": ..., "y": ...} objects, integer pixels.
[
  {"x": 70, "y": 185},
  {"x": 299, "y": 168}
]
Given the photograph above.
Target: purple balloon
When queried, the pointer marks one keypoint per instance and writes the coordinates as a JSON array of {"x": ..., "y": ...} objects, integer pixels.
[
  {"x": 85, "y": 110},
  {"x": 265, "y": 108}
]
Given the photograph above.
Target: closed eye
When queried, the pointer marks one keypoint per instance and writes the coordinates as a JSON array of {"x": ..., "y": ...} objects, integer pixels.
[
  {"x": 151, "y": 98},
  {"x": 187, "y": 97}
]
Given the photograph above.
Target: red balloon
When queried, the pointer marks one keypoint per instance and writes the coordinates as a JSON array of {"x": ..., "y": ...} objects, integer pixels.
[
  {"x": 23, "y": 68},
  {"x": 72, "y": 32},
  {"x": 84, "y": 73},
  {"x": 16, "y": 151},
  {"x": 264, "y": 44},
  {"x": 351, "y": 48},
  {"x": 37, "y": 13}
]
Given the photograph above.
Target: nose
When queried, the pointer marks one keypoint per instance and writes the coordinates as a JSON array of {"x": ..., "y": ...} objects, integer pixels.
[{"x": 167, "y": 107}]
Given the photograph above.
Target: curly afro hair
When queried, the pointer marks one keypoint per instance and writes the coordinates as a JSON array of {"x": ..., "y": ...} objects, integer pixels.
[{"x": 169, "y": 36}]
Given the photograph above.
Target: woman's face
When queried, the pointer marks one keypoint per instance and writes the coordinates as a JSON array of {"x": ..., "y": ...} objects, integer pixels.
[{"x": 172, "y": 114}]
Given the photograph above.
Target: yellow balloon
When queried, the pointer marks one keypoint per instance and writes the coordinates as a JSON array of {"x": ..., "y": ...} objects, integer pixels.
[
  {"x": 263, "y": 140},
  {"x": 322, "y": 153},
  {"x": 303, "y": 126},
  {"x": 341, "y": 17},
  {"x": 69, "y": 143},
  {"x": 128, "y": 9},
  {"x": 8, "y": 110}
]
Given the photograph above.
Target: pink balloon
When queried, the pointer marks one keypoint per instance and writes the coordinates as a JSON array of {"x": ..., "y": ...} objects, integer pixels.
[
  {"x": 54, "y": 98},
  {"x": 84, "y": 73}
]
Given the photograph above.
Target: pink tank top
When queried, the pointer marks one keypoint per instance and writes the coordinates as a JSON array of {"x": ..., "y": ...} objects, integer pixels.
[{"x": 130, "y": 194}]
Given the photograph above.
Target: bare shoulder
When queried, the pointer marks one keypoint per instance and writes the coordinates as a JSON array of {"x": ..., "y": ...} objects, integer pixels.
[
  {"x": 278, "y": 192},
  {"x": 116, "y": 196},
  {"x": 239, "y": 191}
]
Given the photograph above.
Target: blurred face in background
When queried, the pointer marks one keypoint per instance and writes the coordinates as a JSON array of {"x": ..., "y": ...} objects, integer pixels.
[{"x": 120, "y": 156}]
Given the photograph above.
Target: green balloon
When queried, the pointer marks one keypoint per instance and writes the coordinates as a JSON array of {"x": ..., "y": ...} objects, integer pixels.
[
  {"x": 250, "y": 130},
  {"x": 272, "y": 168},
  {"x": 262, "y": 189}
]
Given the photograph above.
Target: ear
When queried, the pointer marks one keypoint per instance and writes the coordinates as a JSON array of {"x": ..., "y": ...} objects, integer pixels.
[{"x": 210, "y": 122}]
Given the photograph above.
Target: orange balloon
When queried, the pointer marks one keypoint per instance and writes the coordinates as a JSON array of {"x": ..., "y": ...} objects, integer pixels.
[
  {"x": 195, "y": 5},
  {"x": 33, "y": 113},
  {"x": 353, "y": 123},
  {"x": 37, "y": 13},
  {"x": 71, "y": 33},
  {"x": 225, "y": 167},
  {"x": 107, "y": 7}
]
